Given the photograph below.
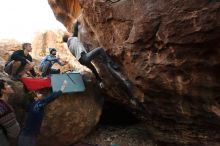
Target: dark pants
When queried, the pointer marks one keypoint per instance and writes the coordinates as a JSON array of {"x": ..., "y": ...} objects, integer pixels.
[
  {"x": 86, "y": 59},
  {"x": 47, "y": 69},
  {"x": 9, "y": 68},
  {"x": 25, "y": 140},
  {"x": 3, "y": 139}
]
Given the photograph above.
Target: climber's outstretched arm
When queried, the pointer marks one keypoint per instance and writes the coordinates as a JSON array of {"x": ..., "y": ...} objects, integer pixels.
[{"x": 76, "y": 29}]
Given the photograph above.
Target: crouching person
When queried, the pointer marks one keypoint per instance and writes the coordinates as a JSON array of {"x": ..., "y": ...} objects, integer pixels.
[
  {"x": 34, "y": 117},
  {"x": 47, "y": 63},
  {"x": 9, "y": 127},
  {"x": 20, "y": 62}
]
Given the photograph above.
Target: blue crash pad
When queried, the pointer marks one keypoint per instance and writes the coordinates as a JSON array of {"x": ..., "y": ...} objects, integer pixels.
[{"x": 74, "y": 80}]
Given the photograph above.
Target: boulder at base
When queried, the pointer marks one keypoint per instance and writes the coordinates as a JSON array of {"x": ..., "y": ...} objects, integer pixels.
[
  {"x": 67, "y": 119},
  {"x": 71, "y": 117}
]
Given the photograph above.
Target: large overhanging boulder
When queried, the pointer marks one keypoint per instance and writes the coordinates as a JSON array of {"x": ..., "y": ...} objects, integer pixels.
[
  {"x": 66, "y": 11},
  {"x": 169, "y": 51}
]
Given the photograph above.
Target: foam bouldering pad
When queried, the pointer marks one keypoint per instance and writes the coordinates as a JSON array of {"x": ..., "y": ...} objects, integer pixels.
[
  {"x": 74, "y": 80},
  {"x": 33, "y": 84}
]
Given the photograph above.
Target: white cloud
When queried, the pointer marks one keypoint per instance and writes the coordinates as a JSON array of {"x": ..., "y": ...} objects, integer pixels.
[{"x": 20, "y": 19}]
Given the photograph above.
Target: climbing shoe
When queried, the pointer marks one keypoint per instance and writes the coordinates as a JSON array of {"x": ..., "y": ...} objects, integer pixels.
[
  {"x": 133, "y": 102},
  {"x": 114, "y": 66},
  {"x": 101, "y": 85}
]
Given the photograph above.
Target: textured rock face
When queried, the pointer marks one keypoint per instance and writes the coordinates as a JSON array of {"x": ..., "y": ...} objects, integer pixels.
[
  {"x": 66, "y": 11},
  {"x": 169, "y": 51},
  {"x": 70, "y": 118},
  {"x": 7, "y": 47},
  {"x": 160, "y": 44}
]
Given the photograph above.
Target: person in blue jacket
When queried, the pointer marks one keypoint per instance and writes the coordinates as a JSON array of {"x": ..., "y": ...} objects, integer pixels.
[
  {"x": 34, "y": 117},
  {"x": 47, "y": 63}
]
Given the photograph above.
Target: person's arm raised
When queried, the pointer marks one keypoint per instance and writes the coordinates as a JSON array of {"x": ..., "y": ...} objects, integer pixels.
[
  {"x": 76, "y": 29},
  {"x": 63, "y": 86},
  {"x": 53, "y": 96}
]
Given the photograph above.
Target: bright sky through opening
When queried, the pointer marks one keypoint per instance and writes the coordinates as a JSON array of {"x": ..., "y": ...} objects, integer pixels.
[{"x": 20, "y": 19}]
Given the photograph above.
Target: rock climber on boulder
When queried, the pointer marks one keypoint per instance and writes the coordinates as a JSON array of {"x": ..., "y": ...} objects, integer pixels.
[{"x": 83, "y": 56}]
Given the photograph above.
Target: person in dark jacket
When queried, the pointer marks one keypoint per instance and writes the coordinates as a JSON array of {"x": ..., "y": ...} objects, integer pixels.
[
  {"x": 9, "y": 127},
  {"x": 83, "y": 56},
  {"x": 20, "y": 62},
  {"x": 34, "y": 117}
]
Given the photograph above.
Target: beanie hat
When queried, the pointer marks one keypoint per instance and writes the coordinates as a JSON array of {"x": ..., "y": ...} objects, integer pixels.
[{"x": 51, "y": 50}]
